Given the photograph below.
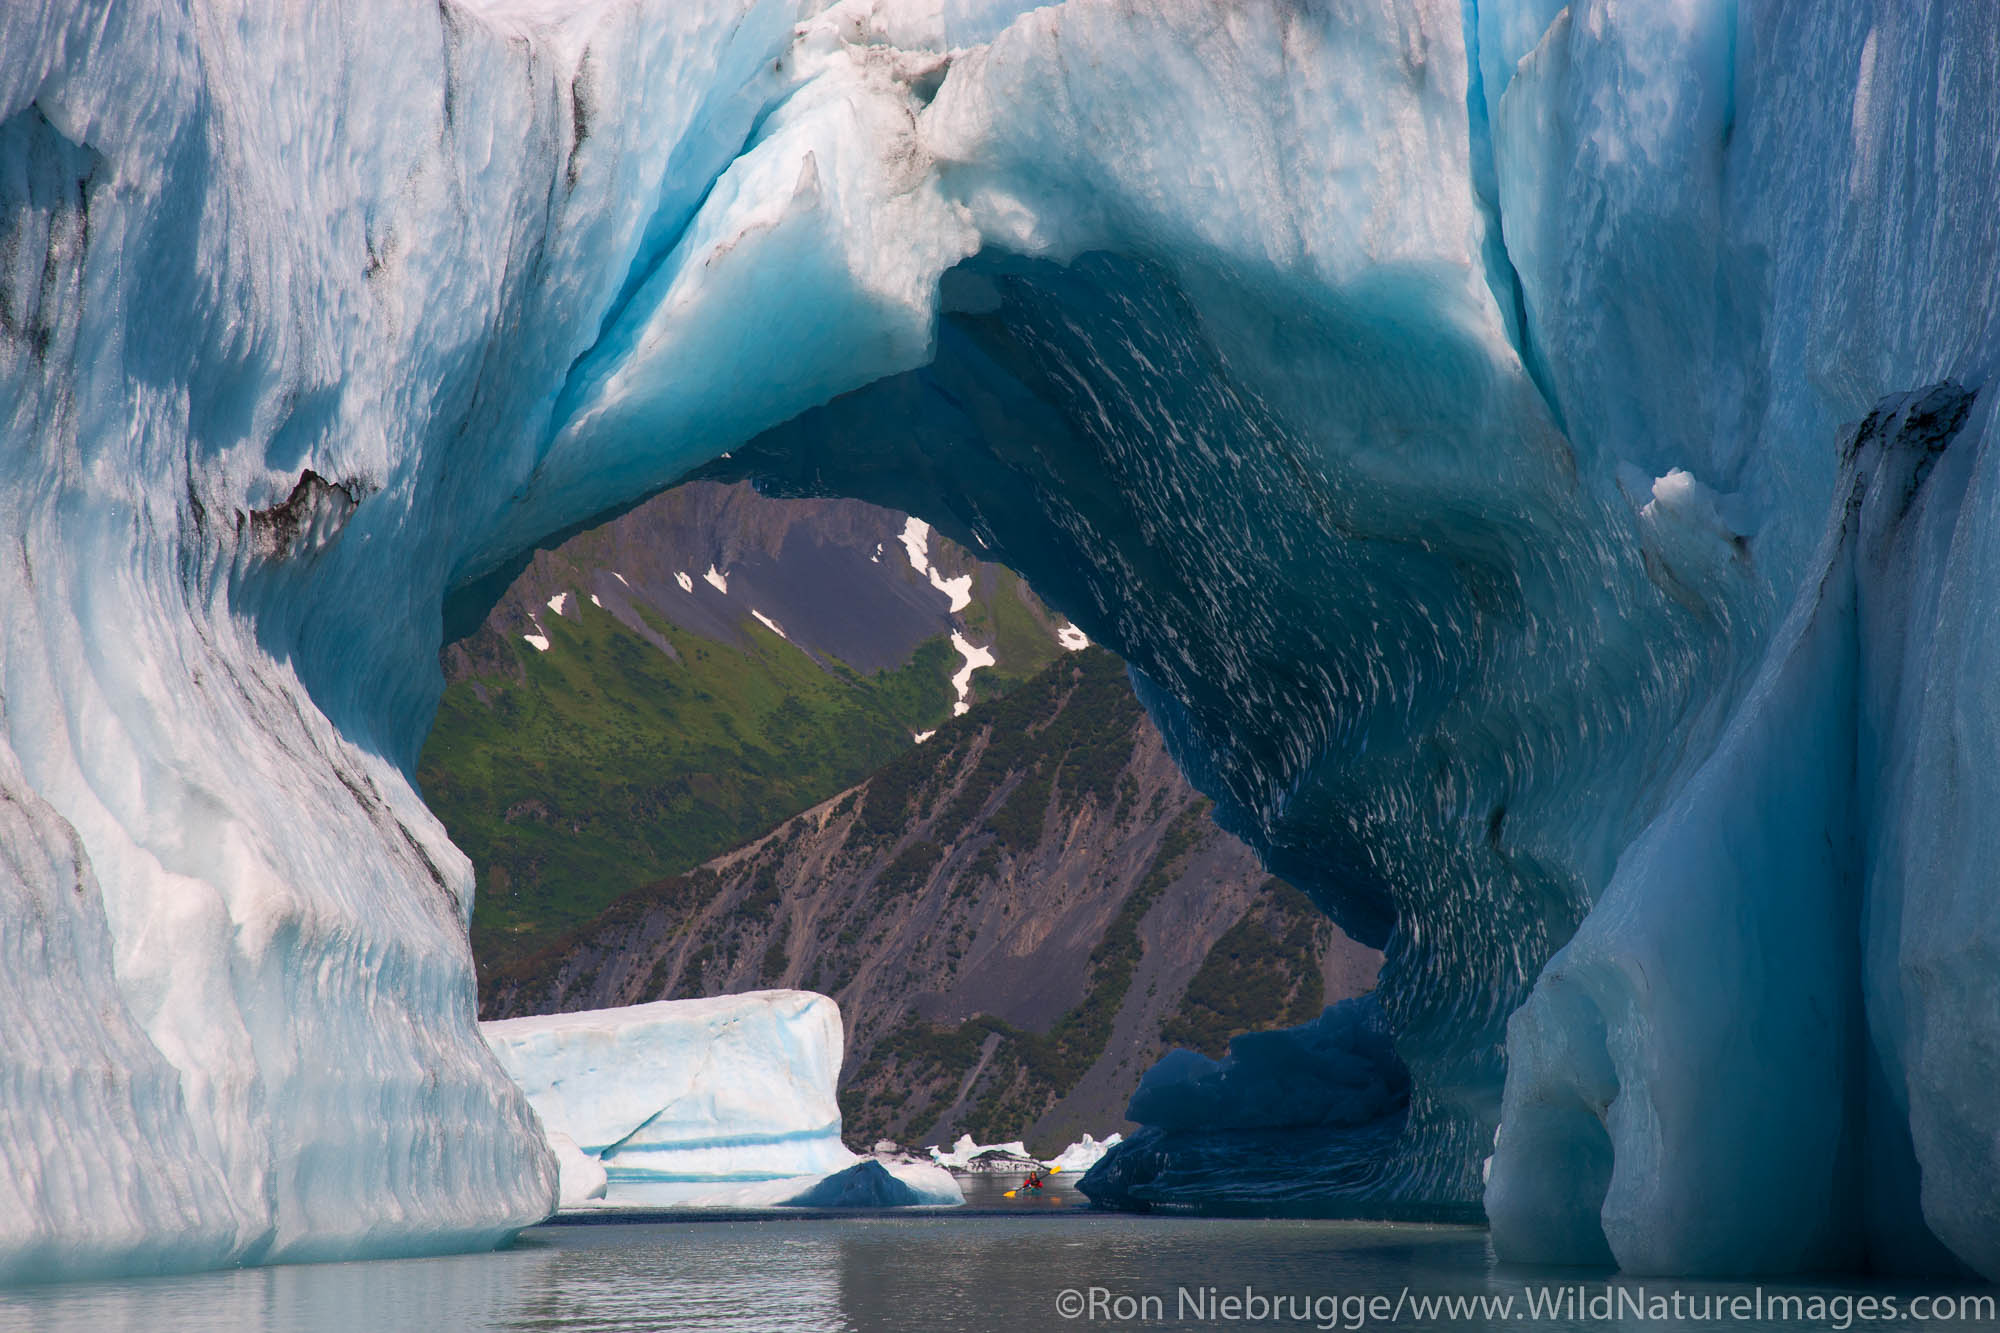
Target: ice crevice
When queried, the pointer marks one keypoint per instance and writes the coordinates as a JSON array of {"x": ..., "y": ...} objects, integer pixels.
[{"x": 1448, "y": 409}]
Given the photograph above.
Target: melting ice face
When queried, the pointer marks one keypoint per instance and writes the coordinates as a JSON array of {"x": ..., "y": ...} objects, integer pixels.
[{"x": 1438, "y": 404}]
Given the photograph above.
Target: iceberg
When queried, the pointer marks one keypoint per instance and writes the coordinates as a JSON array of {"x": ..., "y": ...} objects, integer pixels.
[
  {"x": 727, "y": 1101},
  {"x": 969, "y": 1158},
  {"x": 1536, "y": 459},
  {"x": 1085, "y": 1153},
  {"x": 966, "y": 1157},
  {"x": 868, "y": 1184},
  {"x": 736, "y": 1087}
]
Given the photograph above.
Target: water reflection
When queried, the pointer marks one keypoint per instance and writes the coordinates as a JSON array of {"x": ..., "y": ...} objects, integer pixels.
[{"x": 967, "y": 1274}]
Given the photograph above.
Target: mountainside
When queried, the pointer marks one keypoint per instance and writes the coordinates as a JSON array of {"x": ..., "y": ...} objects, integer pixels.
[
  {"x": 1017, "y": 917},
  {"x": 660, "y": 688}
]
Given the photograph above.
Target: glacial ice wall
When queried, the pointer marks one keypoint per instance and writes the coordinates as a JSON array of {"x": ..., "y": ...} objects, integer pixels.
[{"x": 1441, "y": 404}]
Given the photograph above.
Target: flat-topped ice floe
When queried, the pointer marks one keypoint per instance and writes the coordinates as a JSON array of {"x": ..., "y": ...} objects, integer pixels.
[{"x": 720, "y": 1102}]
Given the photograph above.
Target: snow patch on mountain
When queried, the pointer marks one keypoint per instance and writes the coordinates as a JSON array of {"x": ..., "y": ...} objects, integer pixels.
[
  {"x": 974, "y": 657},
  {"x": 916, "y": 539}
]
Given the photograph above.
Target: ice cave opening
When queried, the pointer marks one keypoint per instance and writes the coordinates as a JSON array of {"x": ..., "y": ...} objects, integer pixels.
[
  {"x": 1038, "y": 828},
  {"x": 1431, "y": 725},
  {"x": 1297, "y": 618}
]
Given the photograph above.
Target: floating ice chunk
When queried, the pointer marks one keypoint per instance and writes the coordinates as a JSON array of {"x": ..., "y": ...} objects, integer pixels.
[
  {"x": 1071, "y": 638},
  {"x": 866, "y": 1184},
  {"x": 975, "y": 658},
  {"x": 932, "y": 1184},
  {"x": 560, "y": 603},
  {"x": 722, "y": 1102},
  {"x": 717, "y": 580},
  {"x": 928, "y": 1186},
  {"x": 969, "y": 1158},
  {"x": 769, "y": 623},
  {"x": 685, "y": 579},
  {"x": 1084, "y": 1153},
  {"x": 733, "y": 1088},
  {"x": 538, "y": 642}
]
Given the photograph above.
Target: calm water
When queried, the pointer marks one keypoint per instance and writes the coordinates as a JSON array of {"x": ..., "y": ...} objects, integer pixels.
[{"x": 941, "y": 1273}]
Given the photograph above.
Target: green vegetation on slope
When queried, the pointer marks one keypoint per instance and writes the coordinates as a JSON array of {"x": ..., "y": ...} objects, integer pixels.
[
  {"x": 1070, "y": 729},
  {"x": 1005, "y": 621},
  {"x": 1070, "y": 723},
  {"x": 613, "y": 765},
  {"x": 1264, "y": 973}
]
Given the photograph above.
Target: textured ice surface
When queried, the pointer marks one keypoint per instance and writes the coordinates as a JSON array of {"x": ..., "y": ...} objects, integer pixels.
[
  {"x": 737, "y": 1087},
  {"x": 1441, "y": 404},
  {"x": 1284, "y": 1122},
  {"x": 720, "y": 1102},
  {"x": 1730, "y": 930},
  {"x": 1341, "y": 1068}
]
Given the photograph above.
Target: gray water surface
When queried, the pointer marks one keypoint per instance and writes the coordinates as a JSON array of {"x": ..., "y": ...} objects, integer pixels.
[{"x": 893, "y": 1273}]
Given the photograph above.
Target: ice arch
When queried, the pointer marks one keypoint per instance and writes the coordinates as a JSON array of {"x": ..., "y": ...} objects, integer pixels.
[{"x": 1440, "y": 403}]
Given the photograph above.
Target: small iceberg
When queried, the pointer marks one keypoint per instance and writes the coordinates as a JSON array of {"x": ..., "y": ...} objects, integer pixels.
[
  {"x": 726, "y": 1102},
  {"x": 1083, "y": 1154},
  {"x": 871, "y": 1184},
  {"x": 967, "y": 1158}
]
